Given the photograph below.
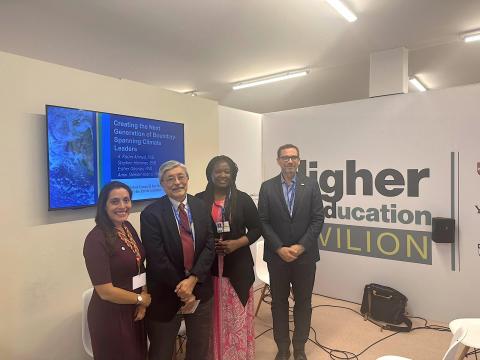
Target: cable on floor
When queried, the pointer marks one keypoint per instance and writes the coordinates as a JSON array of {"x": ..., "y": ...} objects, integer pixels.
[{"x": 337, "y": 354}]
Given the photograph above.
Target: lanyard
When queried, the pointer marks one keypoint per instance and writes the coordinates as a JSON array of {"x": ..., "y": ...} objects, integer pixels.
[
  {"x": 127, "y": 238},
  {"x": 218, "y": 216},
  {"x": 290, "y": 196},
  {"x": 223, "y": 214},
  {"x": 176, "y": 212}
]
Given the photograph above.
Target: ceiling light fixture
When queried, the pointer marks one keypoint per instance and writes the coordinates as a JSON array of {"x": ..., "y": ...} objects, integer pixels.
[
  {"x": 471, "y": 36},
  {"x": 270, "y": 79},
  {"x": 191, "y": 92},
  {"x": 415, "y": 82},
  {"x": 343, "y": 10}
]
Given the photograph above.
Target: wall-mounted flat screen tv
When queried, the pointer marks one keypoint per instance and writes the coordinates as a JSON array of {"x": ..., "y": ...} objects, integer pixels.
[{"x": 87, "y": 149}]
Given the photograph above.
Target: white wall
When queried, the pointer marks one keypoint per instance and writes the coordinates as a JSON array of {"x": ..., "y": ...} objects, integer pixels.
[
  {"x": 402, "y": 132},
  {"x": 240, "y": 138},
  {"x": 42, "y": 264}
]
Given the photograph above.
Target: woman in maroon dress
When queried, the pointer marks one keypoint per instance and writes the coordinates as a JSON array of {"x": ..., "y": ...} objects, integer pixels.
[{"x": 114, "y": 258}]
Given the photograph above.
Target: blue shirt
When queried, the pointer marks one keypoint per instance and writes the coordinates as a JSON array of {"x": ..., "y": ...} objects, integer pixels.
[{"x": 289, "y": 193}]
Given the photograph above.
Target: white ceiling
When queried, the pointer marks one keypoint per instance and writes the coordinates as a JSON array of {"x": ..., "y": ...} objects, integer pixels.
[{"x": 206, "y": 45}]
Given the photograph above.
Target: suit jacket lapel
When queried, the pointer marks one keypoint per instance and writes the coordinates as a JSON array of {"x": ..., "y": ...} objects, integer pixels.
[
  {"x": 174, "y": 242},
  {"x": 196, "y": 223},
  {"x": 279, "y": 191},
  {"x": 299, "y": 193}
]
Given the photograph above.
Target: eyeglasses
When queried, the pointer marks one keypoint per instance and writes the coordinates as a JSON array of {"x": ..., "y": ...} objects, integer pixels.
[
  {"x": 172, "y": 179},
  {"x": 287, "y": 158}
]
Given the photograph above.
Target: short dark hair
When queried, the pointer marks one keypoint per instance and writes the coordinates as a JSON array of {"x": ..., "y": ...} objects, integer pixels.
[{"x": 287, "y": 146}]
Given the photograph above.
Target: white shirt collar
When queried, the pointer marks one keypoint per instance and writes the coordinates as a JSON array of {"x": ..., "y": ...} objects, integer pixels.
[{"x": 176, "y": 203}]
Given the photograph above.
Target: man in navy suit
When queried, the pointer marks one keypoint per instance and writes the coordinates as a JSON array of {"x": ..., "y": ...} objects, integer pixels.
[
  {"x": 291, "y": 212},
  {"x": 177, "y": 235}
]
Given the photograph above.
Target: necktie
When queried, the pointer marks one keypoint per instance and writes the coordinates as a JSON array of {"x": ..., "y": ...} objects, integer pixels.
[
  {"x": 290, "y": 197},
  {"x": 186, "y": 237}
]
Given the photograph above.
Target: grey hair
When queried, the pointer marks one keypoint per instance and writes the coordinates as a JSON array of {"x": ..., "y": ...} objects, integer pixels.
[{"x": 169, "y": 165}]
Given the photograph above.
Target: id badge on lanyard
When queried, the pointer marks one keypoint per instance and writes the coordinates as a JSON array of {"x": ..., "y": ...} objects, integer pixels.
[
  {"x": 139, "y": 281},
  {"x": 223, "y": 227}
]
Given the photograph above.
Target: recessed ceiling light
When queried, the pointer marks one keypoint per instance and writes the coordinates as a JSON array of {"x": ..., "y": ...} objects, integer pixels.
[
  {"x": 270, "y": 79},
  {"x": 343, "y": 10},
  {"x": 418, "y": 85},
  {"x": 191, "y": 92},
  {"x": 471, "y": 36}
]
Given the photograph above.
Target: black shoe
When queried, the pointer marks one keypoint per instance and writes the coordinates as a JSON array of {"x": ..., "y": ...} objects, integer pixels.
[
  {"x": 283, "y": 355},
  {"x": 299, "y": 355}
]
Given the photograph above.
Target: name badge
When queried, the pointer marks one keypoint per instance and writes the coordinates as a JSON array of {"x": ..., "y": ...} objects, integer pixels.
[
  {"x": 139, "y": 280},
  {"x": 226, "y": 226},
  {"x": 223, "y": 227}
]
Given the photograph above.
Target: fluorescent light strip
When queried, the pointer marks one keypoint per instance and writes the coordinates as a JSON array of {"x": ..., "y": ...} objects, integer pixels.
[
  {"x": 471, "y": 37},
  {"x": 191, "y": 93},
  {"x": 415, "y": 82},
  {"x": 269, "y": 79},
  {"x": 343, "y": 10}
]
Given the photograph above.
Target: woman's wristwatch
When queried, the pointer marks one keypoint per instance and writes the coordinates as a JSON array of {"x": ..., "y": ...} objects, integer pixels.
[{"x": 139, "y": 299}]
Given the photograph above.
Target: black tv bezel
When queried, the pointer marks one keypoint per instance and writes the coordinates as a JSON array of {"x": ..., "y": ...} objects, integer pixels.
[{"x": 96, "y": 111}]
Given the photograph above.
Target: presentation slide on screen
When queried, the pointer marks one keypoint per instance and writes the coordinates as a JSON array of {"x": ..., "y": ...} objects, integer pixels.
[{"x": 87, "y": 149}]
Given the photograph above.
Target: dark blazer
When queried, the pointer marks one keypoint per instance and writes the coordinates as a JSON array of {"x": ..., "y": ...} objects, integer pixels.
[
  {"x": 238, "y": 266},
  {"x": 303, "y": 227},
  {"x": 163, "y": 246}
]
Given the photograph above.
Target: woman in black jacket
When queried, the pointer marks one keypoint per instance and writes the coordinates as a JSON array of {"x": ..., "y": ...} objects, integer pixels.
[{"x": 237, "y": 226}]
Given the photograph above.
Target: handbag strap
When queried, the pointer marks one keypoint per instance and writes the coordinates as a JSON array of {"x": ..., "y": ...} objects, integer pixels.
[{"x": 397, "y": 328}]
